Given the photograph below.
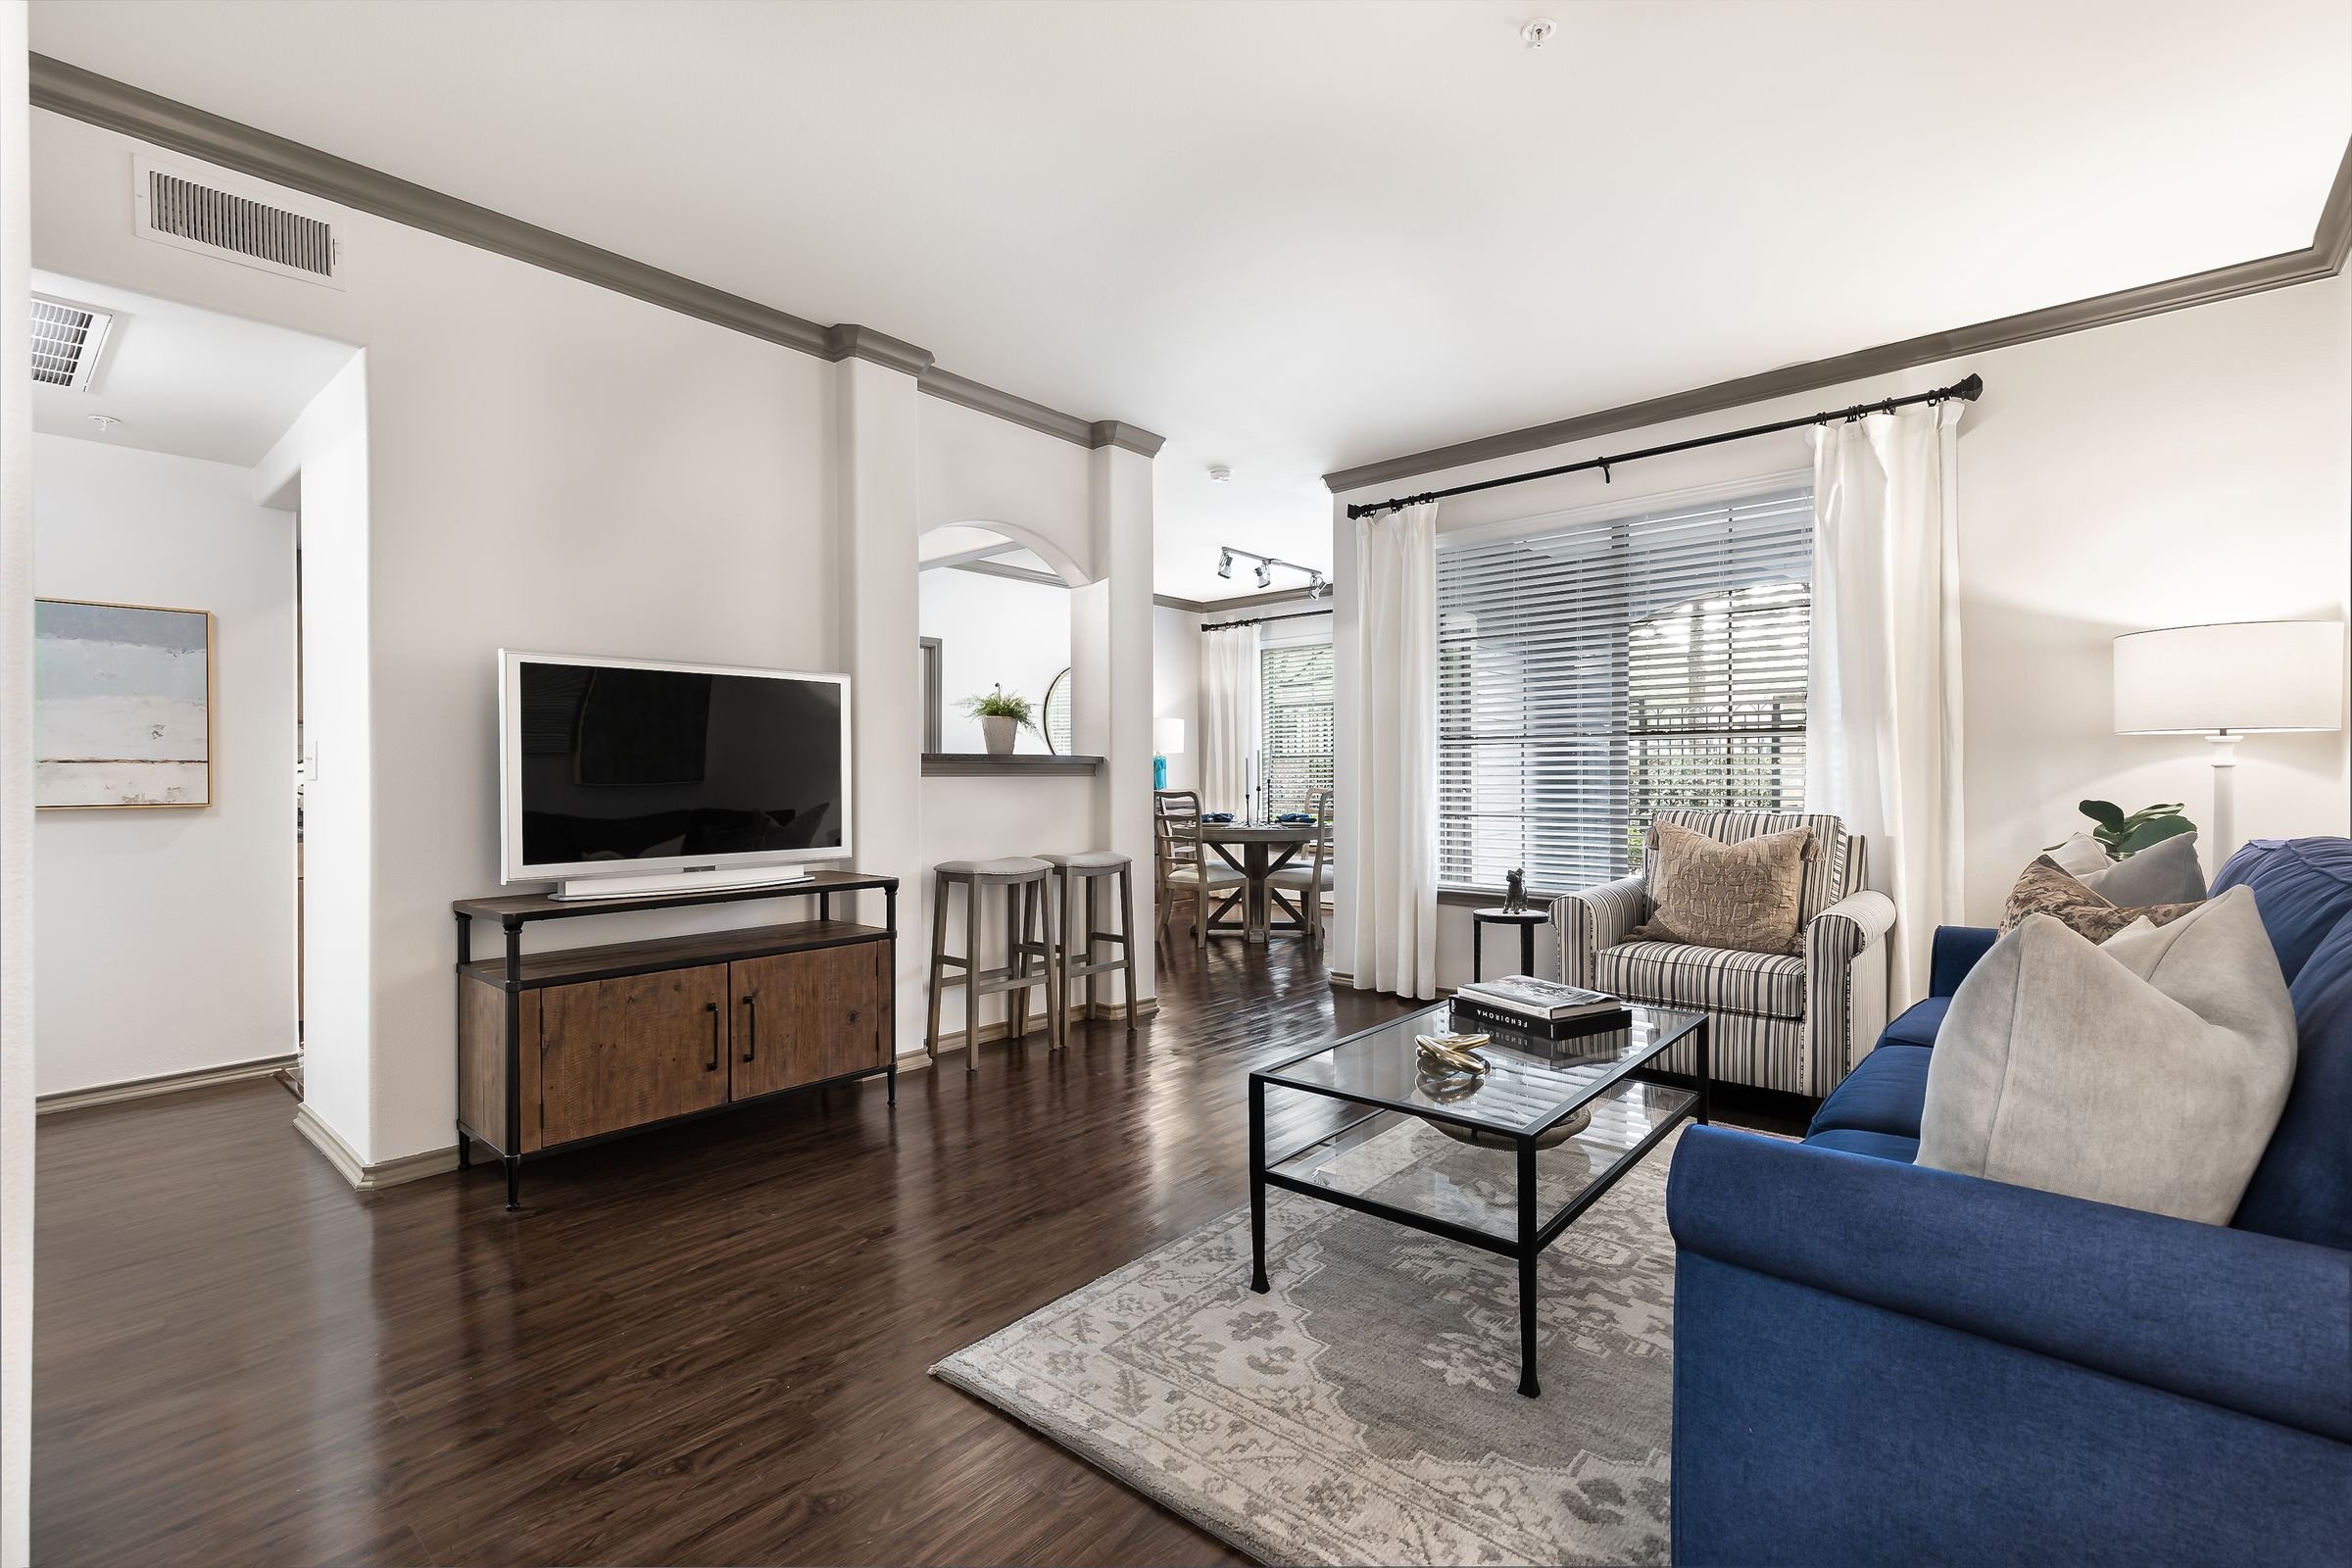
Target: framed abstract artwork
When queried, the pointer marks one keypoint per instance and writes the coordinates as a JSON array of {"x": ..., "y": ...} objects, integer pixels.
[{"x": 122, "y": 706}]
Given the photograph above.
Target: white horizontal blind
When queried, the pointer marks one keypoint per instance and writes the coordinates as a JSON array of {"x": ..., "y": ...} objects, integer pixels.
[
  {"x": 1591, "y": 676},
  {"x": 1294, "y": 687}
]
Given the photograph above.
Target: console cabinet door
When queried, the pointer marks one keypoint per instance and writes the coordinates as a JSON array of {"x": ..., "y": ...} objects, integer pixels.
[
  {"x": 804, "y": 1016},
  {"x": 615, "y": 1054}
]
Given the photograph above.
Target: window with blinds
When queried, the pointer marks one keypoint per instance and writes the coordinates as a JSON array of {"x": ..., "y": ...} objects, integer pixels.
[
  {"x": 1294, "y": 716},
  {"x": 1590, "y": 677}
]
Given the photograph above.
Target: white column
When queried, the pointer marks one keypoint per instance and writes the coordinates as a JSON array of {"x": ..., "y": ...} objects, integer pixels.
[
  {"x": 15, "y": 804},
  {"x": 875, "y": 413},
  {"x": 1114, "y": 614}
]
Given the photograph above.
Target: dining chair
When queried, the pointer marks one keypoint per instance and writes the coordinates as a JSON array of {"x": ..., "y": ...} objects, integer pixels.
[
  {"x": 1184, "y": 867},
  {"x": 1308, "y": 880}
]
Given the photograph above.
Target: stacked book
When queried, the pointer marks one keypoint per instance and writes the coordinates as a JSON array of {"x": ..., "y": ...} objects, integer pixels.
[{"x": 1522, "y": 1001}]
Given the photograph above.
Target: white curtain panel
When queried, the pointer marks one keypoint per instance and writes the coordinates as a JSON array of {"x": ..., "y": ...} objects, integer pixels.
[
  {"x": 1883, "y": 736},
  {"x": 1393, "y": 754},
  {"x": 1228, "y": 716}
]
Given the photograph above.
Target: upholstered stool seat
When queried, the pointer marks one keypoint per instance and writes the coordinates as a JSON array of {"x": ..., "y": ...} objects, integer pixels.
[
  {"x": 1030, "y": 953},
  {"x": 1008, "y": 866},
  {"x": 1075, "y": 954}
]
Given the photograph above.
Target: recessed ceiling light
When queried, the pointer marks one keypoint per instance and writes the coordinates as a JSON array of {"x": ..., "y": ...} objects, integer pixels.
[{"x": 1537, "y": 33}]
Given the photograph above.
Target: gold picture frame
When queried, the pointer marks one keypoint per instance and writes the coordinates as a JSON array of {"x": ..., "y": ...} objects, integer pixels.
[{"x": 101, "y": 675}]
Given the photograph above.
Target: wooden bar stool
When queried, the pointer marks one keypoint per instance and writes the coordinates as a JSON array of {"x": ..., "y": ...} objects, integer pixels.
[
  {"x": 1029, "y": 954},
  {"x": 1092, "y": 867}
]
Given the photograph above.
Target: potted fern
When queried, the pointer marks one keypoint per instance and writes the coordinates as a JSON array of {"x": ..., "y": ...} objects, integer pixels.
[{"x": 1002, "y": 718}]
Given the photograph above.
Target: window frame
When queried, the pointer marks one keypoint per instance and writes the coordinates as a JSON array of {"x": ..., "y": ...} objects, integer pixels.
[
  {"x": 1270, "y": 642},
  {"x": 1603, "y": 513}
]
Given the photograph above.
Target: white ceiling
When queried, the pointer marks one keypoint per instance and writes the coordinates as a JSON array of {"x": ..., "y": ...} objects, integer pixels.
[
  {"x": 191, "y": 383},
  {"x": 1294, "y": 237}
]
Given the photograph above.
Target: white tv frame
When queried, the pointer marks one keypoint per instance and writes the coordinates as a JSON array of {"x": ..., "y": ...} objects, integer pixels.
[{"x": 654, "y": 876}]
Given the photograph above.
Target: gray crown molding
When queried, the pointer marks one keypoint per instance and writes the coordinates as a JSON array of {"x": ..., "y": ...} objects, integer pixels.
[
  {"x": 2333, "y": 238},
  {"x": 84, "y": 95},
  {"x": 1126, "y": 437},
  {"x": 849, "y": 341},
  {"x": 1241, "y": 604},
  {"x": 963, "y": 390},
  {"x": 2323, "y": 258}
]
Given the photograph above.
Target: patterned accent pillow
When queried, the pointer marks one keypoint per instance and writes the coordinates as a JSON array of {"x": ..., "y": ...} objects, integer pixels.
[
  {"x": 1741, "y": 897},
  {"x": 2047, "y": 890}
]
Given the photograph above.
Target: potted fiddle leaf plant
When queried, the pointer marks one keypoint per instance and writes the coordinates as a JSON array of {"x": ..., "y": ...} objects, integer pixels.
[
  {"x": 1001, "y": 717},
  {"x": 2123, "y": 836}
]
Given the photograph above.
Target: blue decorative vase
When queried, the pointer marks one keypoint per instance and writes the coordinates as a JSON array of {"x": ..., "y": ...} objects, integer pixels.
[{"x": 1159, "y": 772}]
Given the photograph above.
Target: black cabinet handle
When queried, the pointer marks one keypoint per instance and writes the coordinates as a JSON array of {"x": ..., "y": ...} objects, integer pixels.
[
  {"x": 751, "y": 1028},
  {"x": 714, "y": 1007}
]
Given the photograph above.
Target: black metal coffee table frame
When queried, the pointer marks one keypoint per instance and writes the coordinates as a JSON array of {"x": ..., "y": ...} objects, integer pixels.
[{"x": 1533, "y": 1236}]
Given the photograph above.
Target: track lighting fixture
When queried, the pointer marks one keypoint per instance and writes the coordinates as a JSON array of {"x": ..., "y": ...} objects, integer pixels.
[{"x": 1317, "y": 585}]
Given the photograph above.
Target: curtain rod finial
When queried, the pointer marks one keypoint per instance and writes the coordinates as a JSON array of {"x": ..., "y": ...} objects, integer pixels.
[{"x": 1970, "y": 388}]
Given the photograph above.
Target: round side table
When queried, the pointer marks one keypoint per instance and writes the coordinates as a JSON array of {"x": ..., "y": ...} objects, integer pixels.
[{"x": 1525, "y": 919}]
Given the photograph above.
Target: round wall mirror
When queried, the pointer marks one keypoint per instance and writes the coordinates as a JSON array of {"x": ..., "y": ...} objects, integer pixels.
[{"x": 1056, "y": 715}]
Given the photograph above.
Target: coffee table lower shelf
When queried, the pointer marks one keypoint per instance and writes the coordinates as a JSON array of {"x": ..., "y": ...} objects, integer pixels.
[{"x": 1630, "y": 1118}]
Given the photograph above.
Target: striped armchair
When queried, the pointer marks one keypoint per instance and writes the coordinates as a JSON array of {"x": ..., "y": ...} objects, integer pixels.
[{"x": 1795, "y": 1021}]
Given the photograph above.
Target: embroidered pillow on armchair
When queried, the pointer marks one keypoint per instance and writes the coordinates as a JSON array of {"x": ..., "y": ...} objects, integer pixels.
[{"x": 1742, "y": 896}]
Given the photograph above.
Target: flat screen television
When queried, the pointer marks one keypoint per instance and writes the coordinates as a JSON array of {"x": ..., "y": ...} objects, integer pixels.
[{"x": 625, "y": 775}]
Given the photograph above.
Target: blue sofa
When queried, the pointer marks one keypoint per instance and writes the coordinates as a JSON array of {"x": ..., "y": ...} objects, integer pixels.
[{"x": 1875, "y": 1362}]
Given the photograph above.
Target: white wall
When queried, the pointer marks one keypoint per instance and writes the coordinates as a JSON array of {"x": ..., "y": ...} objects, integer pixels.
[
  {"x": 2183, "y": 467},
  {"x": 976, "y": 468},
  {"x": 994, "y": 631},
  {"x": 167, "y": 936},
  {"x": 1176, "y": 686},
  {"x": 563, "y": 468},
  {"x": 319, "y": 466},
  {"x": 570, "y": 470}
]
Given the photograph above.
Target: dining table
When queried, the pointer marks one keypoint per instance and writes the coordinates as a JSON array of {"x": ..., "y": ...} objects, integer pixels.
[{"x": 1264, "y": 848}]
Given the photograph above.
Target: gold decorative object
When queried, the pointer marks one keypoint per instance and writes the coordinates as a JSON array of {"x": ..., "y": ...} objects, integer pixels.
[{"x": 1452, "y": 1054}]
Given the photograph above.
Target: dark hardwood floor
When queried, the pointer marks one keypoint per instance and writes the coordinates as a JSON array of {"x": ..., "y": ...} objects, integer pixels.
[{"x": 705, "y": 1345}]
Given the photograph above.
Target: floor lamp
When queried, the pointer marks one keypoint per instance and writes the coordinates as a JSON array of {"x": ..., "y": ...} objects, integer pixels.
[{"x": 2226, "y": 681}]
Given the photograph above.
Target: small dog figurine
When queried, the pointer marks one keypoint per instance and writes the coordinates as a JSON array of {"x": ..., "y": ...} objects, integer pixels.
[{"x": 1514, "y": 892}]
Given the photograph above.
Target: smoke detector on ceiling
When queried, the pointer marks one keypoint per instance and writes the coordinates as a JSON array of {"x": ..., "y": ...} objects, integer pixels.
[
  {"x": 1219, "y": 473},
  {"x": 1537, "y": 33}
]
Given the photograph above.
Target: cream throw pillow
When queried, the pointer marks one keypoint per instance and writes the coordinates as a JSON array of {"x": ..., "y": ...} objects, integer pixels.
[
  {"x": 1740, "y": 896},
  {"x": 2149, "y": 1072}
]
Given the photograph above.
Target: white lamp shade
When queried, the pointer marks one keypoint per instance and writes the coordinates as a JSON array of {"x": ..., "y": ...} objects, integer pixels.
[
  {"x": 2240, "y": 676},
  {"x": 1167, "y": 736}
]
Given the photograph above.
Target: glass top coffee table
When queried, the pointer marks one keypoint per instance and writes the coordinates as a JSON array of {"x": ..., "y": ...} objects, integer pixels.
[{"x": 1544, "y": 1175}]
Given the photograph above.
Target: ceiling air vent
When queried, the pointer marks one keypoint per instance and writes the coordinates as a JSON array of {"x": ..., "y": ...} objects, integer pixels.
[
  {"x": 238, "y": 221},
  {"x": 66, "y": 343}
]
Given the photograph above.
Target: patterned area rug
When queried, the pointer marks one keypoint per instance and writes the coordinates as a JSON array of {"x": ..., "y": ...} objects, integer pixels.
[{"x": 1366, "y": 1409}]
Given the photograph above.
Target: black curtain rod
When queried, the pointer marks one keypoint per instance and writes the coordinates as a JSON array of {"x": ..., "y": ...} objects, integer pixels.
[
  {"x": 1259, "y": 620},
  {"x": 1966, "y": 391}
]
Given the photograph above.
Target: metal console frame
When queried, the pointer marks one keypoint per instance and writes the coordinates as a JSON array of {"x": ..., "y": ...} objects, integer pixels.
[{"x": 512, "y": 920}]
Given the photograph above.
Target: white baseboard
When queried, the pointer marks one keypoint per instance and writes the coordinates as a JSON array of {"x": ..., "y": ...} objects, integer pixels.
[
  {"x": 364, "y": 1177},
  {"x": 170, "y": 1083}
]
